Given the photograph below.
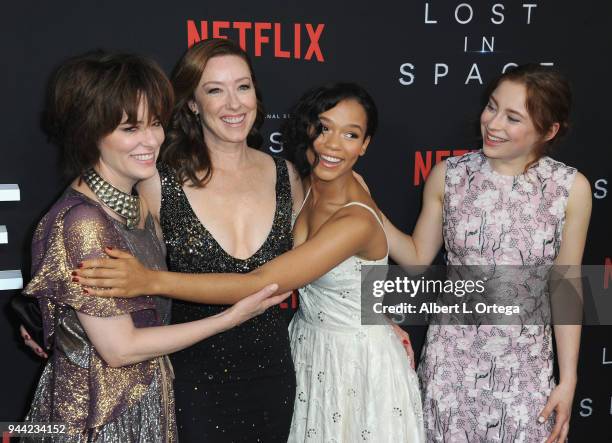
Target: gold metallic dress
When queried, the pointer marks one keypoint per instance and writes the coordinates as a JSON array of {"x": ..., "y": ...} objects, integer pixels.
[{"x": 98, "y": 403}]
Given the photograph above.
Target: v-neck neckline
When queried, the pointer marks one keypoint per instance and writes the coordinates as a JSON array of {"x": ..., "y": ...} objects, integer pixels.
[{"x": 205, "y": 230}]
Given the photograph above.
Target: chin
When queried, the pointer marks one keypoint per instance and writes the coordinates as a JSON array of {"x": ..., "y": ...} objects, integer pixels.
[
  {"x": 236, "y": 138},
  {"x": 143, "y": 174},
  {"x": 493, "y": 152},
  {"x": 328, "y": 175}
]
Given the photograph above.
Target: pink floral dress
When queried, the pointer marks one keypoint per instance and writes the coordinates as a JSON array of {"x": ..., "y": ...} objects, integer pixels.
[{"x": 489, "y": 383}]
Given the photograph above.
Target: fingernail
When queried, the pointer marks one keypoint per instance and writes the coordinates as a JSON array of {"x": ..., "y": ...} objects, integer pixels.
[
  {"x": 75, "y": 279},
  {"x": 74, "y": 273},
  {"x": 80, "y": 265},
  {"x": 540, "y": 419},
  {"x": 405, "y": 341},
  {"x": 27, "y": 337},
  {"x": 109, "y": 247},
  {"x": 85, "y": 291}
]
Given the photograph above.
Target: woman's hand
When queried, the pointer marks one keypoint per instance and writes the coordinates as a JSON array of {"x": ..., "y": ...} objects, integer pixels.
[
  {"x": 30, "y": 343},
  {"x": 122, "y": 275},
  {"x": 255, "y": 304},
  {"x": 405, "y": 339},
  {"x": 560, "y": 401}
]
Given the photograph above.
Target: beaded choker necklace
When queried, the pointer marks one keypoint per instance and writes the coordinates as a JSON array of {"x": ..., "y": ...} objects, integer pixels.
[{"x": 125, "y": 205}]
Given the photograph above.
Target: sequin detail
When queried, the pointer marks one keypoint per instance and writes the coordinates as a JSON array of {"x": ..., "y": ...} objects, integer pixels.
[
  {"x": 241, "y": 382},
  {"x": 77, "y": 387}
]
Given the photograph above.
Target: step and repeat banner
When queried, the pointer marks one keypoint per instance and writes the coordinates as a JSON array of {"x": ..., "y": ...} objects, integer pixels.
[{"x": 426, "y": 63}]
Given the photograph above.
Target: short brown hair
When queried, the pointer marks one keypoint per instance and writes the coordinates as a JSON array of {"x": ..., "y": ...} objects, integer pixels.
[
  {"x": 185, "y": 149},
  {"x": 88, "y": 96},
  {"x": 549, "y": 100}
]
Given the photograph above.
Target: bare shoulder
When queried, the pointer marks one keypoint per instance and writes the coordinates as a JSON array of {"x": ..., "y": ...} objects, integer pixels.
[
  {"x": 263, "y": 163},
  {"x": 434, "y": 186},
  {"x": 581, "y": 186},
  {"x": 580, "y": 197},
  {"x": 437, "y": 174},
  {"x": 357, "y": 218}
]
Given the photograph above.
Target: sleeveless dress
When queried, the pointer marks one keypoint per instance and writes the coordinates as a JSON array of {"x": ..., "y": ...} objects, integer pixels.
[
  {"x": 354, "y": 382},
  {"x": 97, "y": 403},
  {"x": 489, "y": 383},
  {"x": 237, "y": 386}
]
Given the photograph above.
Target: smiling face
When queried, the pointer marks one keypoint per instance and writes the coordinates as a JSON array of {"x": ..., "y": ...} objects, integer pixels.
[
  {"x": 128, "y": 154},
  {"x": 508, "y": 132},
  {"x": 342, "y": 139},
  {"x": 225, "y": 100}
]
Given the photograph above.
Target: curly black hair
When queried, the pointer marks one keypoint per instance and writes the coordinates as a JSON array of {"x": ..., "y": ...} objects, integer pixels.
[{"x": 304, "y": 126}]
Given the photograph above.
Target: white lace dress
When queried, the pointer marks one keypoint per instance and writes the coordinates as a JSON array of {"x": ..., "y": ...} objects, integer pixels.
[{"x": 354, "y": 382}]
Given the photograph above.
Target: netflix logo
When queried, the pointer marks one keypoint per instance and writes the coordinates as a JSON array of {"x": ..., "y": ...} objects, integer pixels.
[
  {"x": 425, "y": 160},
  {"x": 299, "y": 41}
]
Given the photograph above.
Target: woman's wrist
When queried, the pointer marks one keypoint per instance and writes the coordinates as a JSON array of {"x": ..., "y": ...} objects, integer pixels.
[
  {"x": 227, "y": 318},
  {"x": 568, "y": 379},
  {"x": 154, "y": 283}
]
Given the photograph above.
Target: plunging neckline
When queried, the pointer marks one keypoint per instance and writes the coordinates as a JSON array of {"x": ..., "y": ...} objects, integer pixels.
[{"x": 212, "y": 237}]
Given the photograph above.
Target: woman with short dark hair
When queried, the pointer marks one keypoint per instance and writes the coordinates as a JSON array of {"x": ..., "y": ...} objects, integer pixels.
[{"x": 108, "y": 377}]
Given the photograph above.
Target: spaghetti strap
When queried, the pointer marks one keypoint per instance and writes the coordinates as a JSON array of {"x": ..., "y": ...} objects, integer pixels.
[
  {"x": 303, "y": 202},
  {"x": 363, "y": 205}
]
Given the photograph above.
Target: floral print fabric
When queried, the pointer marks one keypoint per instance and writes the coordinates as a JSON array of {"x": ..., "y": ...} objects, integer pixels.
[{"x": 489, "y": 383}]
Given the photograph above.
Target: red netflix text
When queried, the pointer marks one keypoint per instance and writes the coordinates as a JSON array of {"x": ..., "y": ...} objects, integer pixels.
[
  {"x": 256, "y": 35},
  {"x": 423, "y": 161},
  {"x": 293, "y": 299}
]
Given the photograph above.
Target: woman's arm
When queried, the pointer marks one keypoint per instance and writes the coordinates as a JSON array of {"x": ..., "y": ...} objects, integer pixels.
[
  {"x": 423, "y": 245},
  {"x": 120, "y": 343},
  {"x": 345, "y": 234},
  {"x": 577, "y": 215}
]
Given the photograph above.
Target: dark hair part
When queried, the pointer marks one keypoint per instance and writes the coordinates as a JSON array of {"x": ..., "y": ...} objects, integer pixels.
[
  {"x": 88, "y": 96},
  {"x": 303, "y": 127},
  {"x": 549, "y": 101},
  {"x": 185, "y": 149}
]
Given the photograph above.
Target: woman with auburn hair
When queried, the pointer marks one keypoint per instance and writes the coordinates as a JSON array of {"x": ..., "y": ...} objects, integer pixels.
[
  {"x": 224, "y": 206},
  {"x": 108, "y": 377},
  {"x": 509, "y": 204}
]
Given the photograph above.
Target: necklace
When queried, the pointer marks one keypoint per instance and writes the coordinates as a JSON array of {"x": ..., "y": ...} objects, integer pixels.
[{"x": 125, "y": 205}]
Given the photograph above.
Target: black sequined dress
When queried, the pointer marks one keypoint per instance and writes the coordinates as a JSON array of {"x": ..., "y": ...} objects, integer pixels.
[{"x": 238, "y": 386}]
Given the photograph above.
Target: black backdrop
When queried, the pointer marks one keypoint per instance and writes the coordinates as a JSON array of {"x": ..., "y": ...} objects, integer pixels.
[{"x": 425, "y": 63}]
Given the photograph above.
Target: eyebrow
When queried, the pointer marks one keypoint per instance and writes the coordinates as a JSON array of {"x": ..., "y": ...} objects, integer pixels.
[
  {"x": 238, "y": 80},
  {"x": 510, "y": 110},
  {"x": 350, "y": 125}
]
